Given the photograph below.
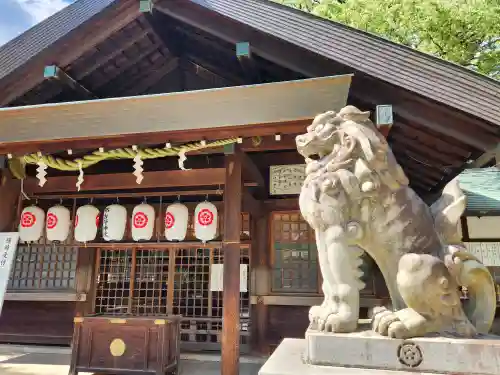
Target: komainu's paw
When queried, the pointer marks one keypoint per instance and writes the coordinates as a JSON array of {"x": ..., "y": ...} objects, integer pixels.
[
  {"x": 387, "y": 323},
  {"x": 332, "y": 317},
  {"x": 317, "y": 314},
  {"x": 339, "y": 323}
]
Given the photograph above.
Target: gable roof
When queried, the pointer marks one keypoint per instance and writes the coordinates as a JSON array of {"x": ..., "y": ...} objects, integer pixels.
[
  {"x": 396, "y": 64},
  {"x": 20, "y": 50}
]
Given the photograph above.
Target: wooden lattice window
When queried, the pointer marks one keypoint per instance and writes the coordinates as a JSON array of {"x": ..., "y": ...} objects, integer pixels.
[
  {"x": 294, "y": 256},
  {"x": 44, "y": 267},
  {"x": 169, "y": 281}
]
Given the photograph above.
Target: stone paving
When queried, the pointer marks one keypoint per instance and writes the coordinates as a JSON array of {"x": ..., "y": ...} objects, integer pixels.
[{"x": 15, "y": 360}]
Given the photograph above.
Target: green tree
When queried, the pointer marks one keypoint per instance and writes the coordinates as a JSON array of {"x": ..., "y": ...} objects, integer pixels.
[{"x": 466, "y": 32}]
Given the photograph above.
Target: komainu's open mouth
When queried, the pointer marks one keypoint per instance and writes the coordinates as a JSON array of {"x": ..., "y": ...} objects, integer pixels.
[{"x": 315, "y": 157}]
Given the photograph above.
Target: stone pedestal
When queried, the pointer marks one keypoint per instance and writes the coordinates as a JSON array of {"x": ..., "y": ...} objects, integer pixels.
[{"x": 363, "y": 353}]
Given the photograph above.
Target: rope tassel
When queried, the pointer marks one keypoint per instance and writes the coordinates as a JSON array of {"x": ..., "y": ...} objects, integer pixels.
[
  {"x": 182, "y": 159},
  {"x": 79, "y": 182},
  {"x": 138, "y": 163},
  {"x": 41, "y": 172}
]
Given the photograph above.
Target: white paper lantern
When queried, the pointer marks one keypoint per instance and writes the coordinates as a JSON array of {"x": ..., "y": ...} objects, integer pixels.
[
  {"x": 86, "y": 223},
  {"x": 176, "y": 222},
  {"x": 143, "y": 222},
  {"x": 114, "y": 222},
  {"x": 57, "y": 223},
  {"x": 205, "y": 221},
  {"x": 31, "y": 224}
]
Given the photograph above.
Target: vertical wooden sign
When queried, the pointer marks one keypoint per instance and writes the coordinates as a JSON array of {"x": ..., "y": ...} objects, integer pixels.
[{"x": 8, "y": 247}]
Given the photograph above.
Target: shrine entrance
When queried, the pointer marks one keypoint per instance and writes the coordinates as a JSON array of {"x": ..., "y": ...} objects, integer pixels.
[{"x": 183, "y": 281}]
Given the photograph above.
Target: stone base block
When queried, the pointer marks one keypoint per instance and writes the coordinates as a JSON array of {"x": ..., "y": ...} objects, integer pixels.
[
  {"x": 288, "y": 359},
  {"x": 430, "y": 354}
]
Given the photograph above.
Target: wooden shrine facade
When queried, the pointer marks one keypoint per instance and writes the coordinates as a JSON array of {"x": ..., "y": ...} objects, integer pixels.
[{"x": 249, "y": 74}]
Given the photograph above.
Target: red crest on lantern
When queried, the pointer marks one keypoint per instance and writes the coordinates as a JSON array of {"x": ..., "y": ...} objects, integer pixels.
[
  {"x": 58, "y": 223},
  {"x": 169, "y": 220},
  {"x": 205, "y": 226},
  {"x": 51, "y": 220},
  {"x": 28, "y": 219},
  {"x": 31, "y": 224},
  {"x": 143, "y": 218},
  {"x": 176, "y": 222}
]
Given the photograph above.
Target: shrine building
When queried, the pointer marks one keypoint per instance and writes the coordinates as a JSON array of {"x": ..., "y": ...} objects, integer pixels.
[{"x": 149, "y": 163}]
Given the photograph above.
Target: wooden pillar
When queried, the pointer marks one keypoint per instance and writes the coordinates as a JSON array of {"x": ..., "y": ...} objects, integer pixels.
[
  {"x": 262, "y": 279},
  {"x": 85, "y": 280},
  {"x": 9, "y": 203},
  {"x": 231, "y": 276}
]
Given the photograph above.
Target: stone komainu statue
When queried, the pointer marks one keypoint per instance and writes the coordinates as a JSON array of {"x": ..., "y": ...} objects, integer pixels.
[{"x": 357, "y": 199}]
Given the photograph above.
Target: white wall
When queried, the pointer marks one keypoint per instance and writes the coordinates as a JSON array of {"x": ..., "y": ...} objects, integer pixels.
[{"x": 486, "y": 227}]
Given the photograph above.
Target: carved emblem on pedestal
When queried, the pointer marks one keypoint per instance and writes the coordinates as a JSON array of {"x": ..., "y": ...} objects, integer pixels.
[{"x": 410, "y": 354}]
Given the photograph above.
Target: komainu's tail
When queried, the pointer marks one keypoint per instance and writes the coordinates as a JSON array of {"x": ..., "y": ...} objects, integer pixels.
[
  {"x": 468, "y": 270},
  {"x": 447, "y": 211}
]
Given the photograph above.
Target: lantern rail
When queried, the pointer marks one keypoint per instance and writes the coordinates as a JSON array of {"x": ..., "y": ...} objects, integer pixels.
[
  {"x": 150, "y": 245},
  {"x": 210, "y": 192}
]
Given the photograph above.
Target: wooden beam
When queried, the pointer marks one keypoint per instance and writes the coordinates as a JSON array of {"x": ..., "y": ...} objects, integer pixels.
[
  {"x": 418, "y": 185},
  {"x": 423, "y": 137},
  {"x": 407, "y": 109},
  {"x": 203, "y": 72},
  {"x": 424, "y": 160},
  {"x": 68, "y": 48},
  {"x": 244, "y": 55},
  {"x": 125, "y": 140},
  {"x": 55, "y": 73},
  {"x": 226, "y": 49},
  {"x": 47, "y": 296},
  {"x": 114, "y": 76},
  {"x": 82, "y": 68},
  {"x": 152, "y": 77},
  {"x": 231, "y": 275},
  {"x": 229, "y": 76},
  {"x": 251, "y": 171},
  {"x": 100, "y": 58},
  {"x": 272, "y": 49},
  {"x": 285, "y": 204},
  {"x": 126, "y": 181},
  {"x": 120, "y": 86},
  {"x": 431, "y": 171},
  {"x": 486, "y": 157},
  {"x": 253, "y": 206},
  {"x": 418, "y": 147},
  {"x": 156, "y": 194},
  {"x": 412, "y": 177},
  {"x": 423, "y": 171}
]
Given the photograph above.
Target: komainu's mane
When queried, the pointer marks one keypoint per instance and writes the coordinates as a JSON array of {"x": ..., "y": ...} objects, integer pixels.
[{"x": 361, "y": 149}]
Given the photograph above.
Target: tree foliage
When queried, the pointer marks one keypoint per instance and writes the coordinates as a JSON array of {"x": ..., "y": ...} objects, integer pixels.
[{"x": 466, "y": 32}]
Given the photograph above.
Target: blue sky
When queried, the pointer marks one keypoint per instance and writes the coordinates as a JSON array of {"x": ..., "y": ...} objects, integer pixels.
[{"x": 17, "y": 16}]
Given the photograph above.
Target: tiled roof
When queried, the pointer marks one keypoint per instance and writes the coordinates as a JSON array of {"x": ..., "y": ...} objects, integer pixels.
[{"x": 482, "y": 187}]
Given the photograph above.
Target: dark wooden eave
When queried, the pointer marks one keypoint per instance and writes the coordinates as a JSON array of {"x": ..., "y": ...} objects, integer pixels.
[
  {"x": 445, "y": 116},
  {"x": 379, "y": 58}
]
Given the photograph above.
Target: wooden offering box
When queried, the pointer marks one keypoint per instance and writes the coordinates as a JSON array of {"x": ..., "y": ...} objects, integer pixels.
[{"x": 125, "y": 345}]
